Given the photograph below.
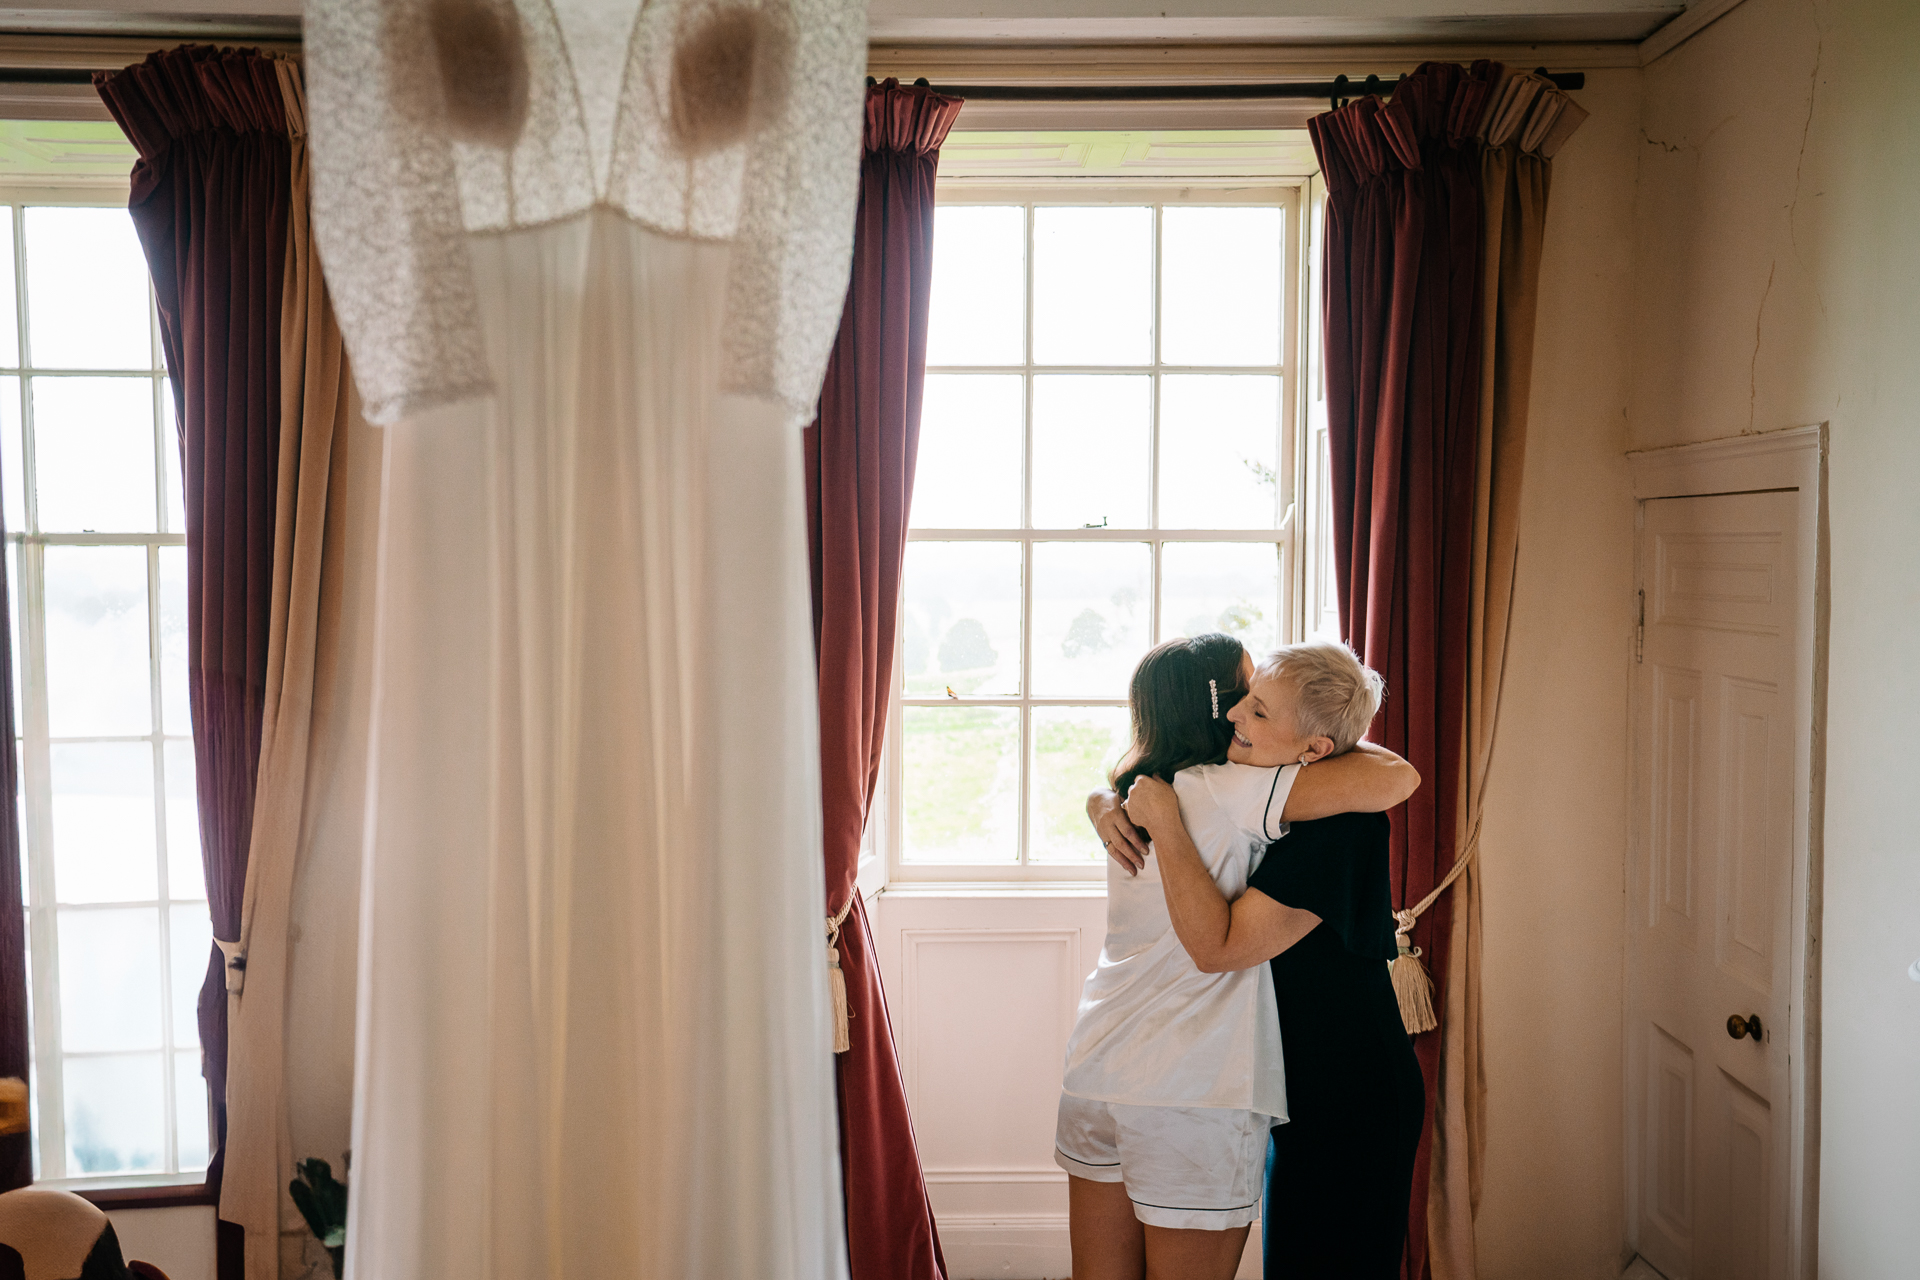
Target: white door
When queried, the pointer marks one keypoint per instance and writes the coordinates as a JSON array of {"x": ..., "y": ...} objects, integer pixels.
[{"x": 1721, "y": 729}]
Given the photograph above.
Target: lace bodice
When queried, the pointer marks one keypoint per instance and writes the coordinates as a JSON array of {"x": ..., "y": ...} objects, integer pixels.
[{"x": 395, "y": 196}]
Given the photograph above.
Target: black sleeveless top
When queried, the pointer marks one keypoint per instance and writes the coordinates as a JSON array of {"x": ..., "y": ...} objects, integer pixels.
[
  {"x": 1342, "y": 1172},
  {"x": 1340, "y": 1023}
]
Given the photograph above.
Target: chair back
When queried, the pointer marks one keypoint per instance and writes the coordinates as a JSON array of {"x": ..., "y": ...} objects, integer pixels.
[{"x": 55, "y": 1235}]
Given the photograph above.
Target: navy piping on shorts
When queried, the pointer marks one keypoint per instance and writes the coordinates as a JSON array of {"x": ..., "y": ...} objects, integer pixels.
[
  {"x": 1187, "y": 1208},
  {"x": 1089, "y": 1163}
]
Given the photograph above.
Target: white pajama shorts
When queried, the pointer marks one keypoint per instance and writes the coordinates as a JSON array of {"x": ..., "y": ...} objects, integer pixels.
[{"x": 1188, "y": 1168}]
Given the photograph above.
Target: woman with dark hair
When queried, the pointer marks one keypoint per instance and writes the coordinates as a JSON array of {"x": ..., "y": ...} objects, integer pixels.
[
  {"x": 1174, "y": 1073},
  {"x": 1317, "y": 914}
]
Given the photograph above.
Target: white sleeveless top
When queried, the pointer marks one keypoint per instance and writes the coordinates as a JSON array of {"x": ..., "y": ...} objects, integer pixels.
[{"x": 1153, "y": 1030}]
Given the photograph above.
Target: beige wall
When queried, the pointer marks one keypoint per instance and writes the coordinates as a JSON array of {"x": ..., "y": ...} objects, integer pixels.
[
  {"x": 1778, "y": 283},
  {"x": 1553, "y": 860}
]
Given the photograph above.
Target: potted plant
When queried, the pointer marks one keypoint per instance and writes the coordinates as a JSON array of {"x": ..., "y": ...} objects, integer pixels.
[{"x": 322, "y": 1201}]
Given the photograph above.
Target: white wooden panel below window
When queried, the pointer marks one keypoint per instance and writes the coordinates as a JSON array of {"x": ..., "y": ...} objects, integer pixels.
[{"x": 180, "y": 1241}]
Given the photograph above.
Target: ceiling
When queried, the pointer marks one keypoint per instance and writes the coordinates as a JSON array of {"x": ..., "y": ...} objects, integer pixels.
[{"x": 1078, "y": 21}]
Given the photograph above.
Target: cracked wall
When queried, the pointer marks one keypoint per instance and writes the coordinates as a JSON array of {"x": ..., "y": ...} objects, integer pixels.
[{"x": 1777, "y": 283}]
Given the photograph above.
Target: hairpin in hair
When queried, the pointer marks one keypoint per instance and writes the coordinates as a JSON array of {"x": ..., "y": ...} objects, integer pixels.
[{"x": 1213, "y": 688}]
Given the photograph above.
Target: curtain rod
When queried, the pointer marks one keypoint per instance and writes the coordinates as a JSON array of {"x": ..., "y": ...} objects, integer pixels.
[
  {"x": 45, "y": 75},
  {"x": 1338, "y": 89}
]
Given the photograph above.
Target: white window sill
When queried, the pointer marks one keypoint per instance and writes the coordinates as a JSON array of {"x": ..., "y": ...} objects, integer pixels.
[
  {"x": 995, "y": 889},
  {"x": 124, "y": 1181}
]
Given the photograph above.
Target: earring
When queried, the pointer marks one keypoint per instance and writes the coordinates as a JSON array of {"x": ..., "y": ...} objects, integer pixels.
[{"x": 1305, "y": 759}]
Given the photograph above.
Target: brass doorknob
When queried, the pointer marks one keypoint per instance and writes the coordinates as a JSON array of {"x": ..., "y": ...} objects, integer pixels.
[{"x": 1738, "y": 1026}]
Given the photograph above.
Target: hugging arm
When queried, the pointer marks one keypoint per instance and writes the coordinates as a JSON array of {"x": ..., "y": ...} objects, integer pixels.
[
  {"x": 1221, "y": 936},
  {"x": 1367, "y": 779}
]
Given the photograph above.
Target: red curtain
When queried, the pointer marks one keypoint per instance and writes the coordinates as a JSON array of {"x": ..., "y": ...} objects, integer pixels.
[
  {"x": 859, "y": 460},
  {"x": 1402, "y": 332},
  {"x": 209, "y": 201}
]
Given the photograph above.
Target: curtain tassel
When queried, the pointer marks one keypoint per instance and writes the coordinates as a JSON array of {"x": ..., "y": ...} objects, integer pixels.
[
  {"x": 1412, "y": 987},
  {"x": 14, "y": 1115},
  {"x": 837, "y": 981}
]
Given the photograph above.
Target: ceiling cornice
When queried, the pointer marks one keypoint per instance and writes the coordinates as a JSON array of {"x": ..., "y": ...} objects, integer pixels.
[{"x": 1702, "y": 15}]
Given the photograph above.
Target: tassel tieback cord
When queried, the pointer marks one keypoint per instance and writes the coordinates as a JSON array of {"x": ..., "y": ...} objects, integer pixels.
[
  {"x": 837, "y": 981},
  {"x": 1412, "y": 985}
]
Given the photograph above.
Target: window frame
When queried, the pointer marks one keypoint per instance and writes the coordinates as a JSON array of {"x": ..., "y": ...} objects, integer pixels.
[
  {"x": 886, "y": 821},
  {"x": 26, "y": 550}
]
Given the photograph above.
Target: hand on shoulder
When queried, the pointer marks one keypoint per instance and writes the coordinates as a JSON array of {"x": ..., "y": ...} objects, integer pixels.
[{"x": 1152, "y": 804}]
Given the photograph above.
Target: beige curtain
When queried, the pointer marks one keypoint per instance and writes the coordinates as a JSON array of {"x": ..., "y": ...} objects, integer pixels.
[
  {"x": 302, "y": 648},
  {"x": 1527, "y": 121}
]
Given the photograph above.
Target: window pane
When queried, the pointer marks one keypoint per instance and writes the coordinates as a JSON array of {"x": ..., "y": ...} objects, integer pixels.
[
  {"x": 109, "y": 979},
  {"x": 1090, "y": 453},
  {"x": 98, "y": 680},
  {"x": 103, "y": 822},
  {"x": 185, "y": 876},
  {"x": 963, "y": 619},
  {"x": 9, "y": 316},
  {"x": 20, "y": 832},
  {"x": 977, "y": 315},
  {"x": 1219, "y": 451},
  {"x": 1090, "y": 606},
  {"x": 34, "y": 1115},
  {"x": 968, "y": 472},
  {"x": 1222, "y": 586},
  {"x": 11, "y": 552},
  {"x": 1073, "y": 749},
  {"x": 190, "y": 940},
  {"x": 86, "y": 290},
  {"x": 174, "y": 706},
  {"x": 1220, "y": 286},
  {"x": 1092, "y": 286},
  {"x": 170, "y": 456},
  {"x": 190, "y": 1105},
  {"x": 93, "y": 454},
  {"x": 13, "y": 458},
  {"x": 960, "y": 770},
  {"x": 116, "y": 1110}
]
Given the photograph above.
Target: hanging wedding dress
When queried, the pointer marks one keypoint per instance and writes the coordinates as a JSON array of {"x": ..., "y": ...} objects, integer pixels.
[{"x": 593, "y": 1013}]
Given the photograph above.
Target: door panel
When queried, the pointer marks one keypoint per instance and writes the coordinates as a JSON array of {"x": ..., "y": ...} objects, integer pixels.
[
  {"x": 1756, "y": 838},
  {"x": 1670, "y": 1154},
  {"x": 1715, "y": 844},
  {"x": 1676, "y": 748},
  {"x": 1747, "y": 1122}
]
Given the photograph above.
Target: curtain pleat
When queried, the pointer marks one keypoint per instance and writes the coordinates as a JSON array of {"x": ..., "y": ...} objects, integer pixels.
[
  {"x": 302, "y": 648},
  {"x": 859, "y": 462},
  {"x": 1526, "y": 119},
  {"x": 1403, "y": 374},
  {"x": 209, "y": 200}
]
